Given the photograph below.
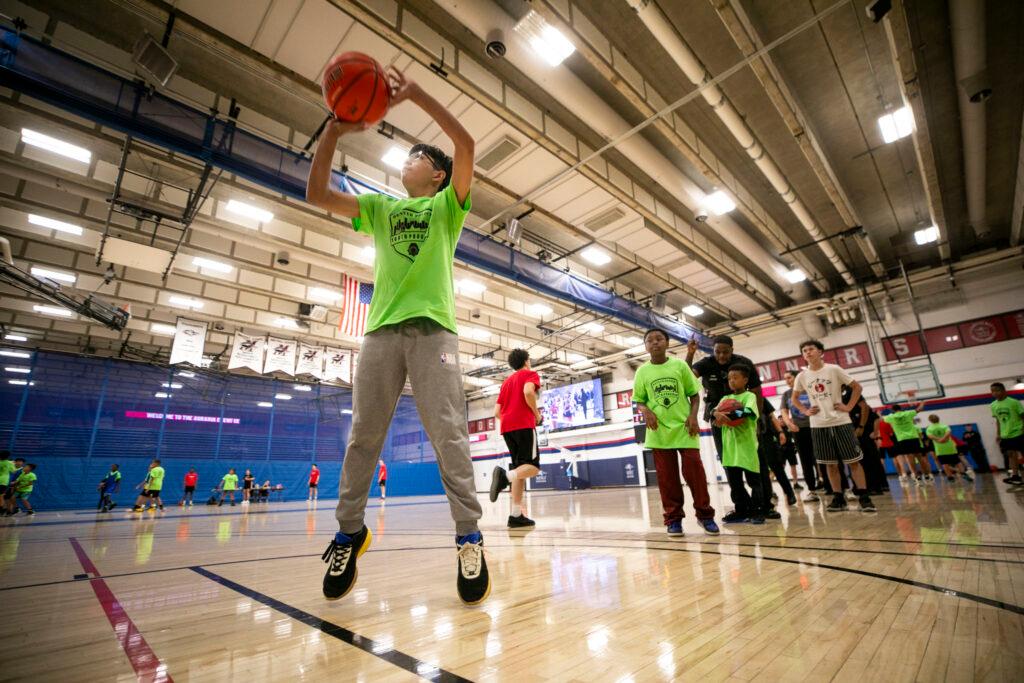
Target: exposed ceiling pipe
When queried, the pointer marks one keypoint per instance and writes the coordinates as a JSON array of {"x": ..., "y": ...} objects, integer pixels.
[
  {"x": 663, "y": 31},
  {"x": 481, "y": 17},
  {"x": 967, "y": 24}
]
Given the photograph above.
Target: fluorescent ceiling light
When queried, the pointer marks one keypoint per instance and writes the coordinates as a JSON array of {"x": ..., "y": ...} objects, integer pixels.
[
  {"x": 53, "y": 310},
  {"x": 54, "y": 275},
  {"x": 283, "y": 397},
  {"x": 575, "y": 357},
  {"x": 470, "y": 286},
  {"x": 21, "y": 382},
  {"x": 44, "y": 222},
  {"x": 926, "y": 235},
  {"x": 171, "y": 385},
  {"x": 693, "y": 310},
  {"x": 210, "y": 264},
  {"x": 796, "y": 275},
  {"x": 186, "y": 373},
  {"x": 15, "y": 354},
  {"x": 23, "y": 371},
  {"x": 37, "y": 139},
  {"x": 287, "y": 323},
  {"x": 321, "y": 294},
  {"x": 162, "y": 394},
  {"x": 546, "y": 40},
  {"x": 265, "y": 404},
  {"x": 395, "y": 157},
  {"x": 596, "y": 256},
  {"x": 161, "y": 328},
  {"x": 719, "y": 203},
  {"x": 478, "y": 381},
  {"x": 595, "y": 328},
  {"x": 186, "y": 302},
  {"x": 896, "y": 125},
  {"x": 539, "y": 310},
  {"x": 250, "y": 211},
  {"x": 302, "y": 387},
  {"x": 15, "y": 337}
]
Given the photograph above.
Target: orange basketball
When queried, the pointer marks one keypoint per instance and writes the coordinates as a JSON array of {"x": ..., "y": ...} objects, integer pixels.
[
  {"x": 732, "y": 408},
  {"x": 355, "y": 88}
]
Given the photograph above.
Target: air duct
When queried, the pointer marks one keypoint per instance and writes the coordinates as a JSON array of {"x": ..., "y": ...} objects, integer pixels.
[{"x": 967, "y": 23}]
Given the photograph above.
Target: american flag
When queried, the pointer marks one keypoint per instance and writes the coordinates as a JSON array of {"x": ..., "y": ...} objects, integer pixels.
[{"x": 356, "y": 306}]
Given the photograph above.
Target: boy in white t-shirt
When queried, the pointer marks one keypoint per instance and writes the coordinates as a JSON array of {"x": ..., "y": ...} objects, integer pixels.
[{"x": 831, "y": 427}]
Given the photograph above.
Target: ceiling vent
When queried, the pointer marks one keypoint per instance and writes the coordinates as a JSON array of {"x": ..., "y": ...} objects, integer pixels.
[
  {"x": 604, "y": 219},
  {"x": 154, "y": 60},
  {"x": 498, "y": 152}
]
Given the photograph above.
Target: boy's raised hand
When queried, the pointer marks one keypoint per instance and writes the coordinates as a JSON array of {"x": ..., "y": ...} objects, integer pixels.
[{"x": 402, "y": 88}]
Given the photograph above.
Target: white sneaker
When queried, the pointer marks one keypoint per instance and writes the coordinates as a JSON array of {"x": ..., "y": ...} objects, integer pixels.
[
  {"x": 903, "y": 479},
  {"x": 811, "y": 497},
  {"x": 850, "y": 495}
]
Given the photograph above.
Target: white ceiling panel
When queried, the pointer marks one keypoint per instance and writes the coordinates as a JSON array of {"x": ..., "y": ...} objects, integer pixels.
[
  {"x": 522, "y": 176},
  {"x": 239, "y": 19},
  {"x": 564, "y": 191},
  {"x": 311, "y": 41},
  {"x": 276, "y": 23},
  {"x": 583, "y": 204}
]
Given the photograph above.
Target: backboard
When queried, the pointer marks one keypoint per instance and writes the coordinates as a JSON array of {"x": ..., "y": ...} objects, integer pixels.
[{"x": 911, "y": 380}]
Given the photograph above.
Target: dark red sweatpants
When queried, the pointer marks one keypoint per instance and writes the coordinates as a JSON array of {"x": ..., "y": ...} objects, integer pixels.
[{"x": 666, "y": 462}]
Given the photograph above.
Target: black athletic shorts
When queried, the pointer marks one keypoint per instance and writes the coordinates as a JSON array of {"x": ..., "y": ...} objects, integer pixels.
[
  {"x": 151, "y": 494},
  {"x": 382, "y": 483},
  {"x": 952, "y": 460},
  {"x": 190, "y": 489},
  {"x": 246, "y": 485},
  {"x": 3, "y": 489},
  {"x": 312, "y": 485},
  {"x": 789, "y": 450},
  {"x": 1014, "y": 443},
  {"x": 522, "y": 446},
  {"x": 908, "y": 447}
]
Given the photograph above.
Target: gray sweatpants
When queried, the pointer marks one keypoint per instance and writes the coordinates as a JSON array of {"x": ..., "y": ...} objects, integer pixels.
[{"x": 430, "y": 355}]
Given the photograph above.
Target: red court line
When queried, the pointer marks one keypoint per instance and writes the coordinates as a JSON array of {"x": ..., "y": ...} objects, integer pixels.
[{"x": 148, "y": 669}]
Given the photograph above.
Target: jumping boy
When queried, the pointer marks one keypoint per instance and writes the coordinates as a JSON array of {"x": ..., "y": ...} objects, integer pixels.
[
  {"x": 110, "y": 485},
  {"x": 22, "y": 488},
  {"x": 190, "y": 481},
  {"x": 228, "y": 486},
  {"x": 666, "y": 392},
  {"x": 517, "y": 412},
  {"x": 831, "y": 427},
  {"x": 945, "y": 448},
  {"x": 908, "y": 439},
  {"x": 410, "y": 330},
  {"x": 1007, "y": 412},
  {"x": 739, "y": 450},
  {"x": 151, "y": 487}
]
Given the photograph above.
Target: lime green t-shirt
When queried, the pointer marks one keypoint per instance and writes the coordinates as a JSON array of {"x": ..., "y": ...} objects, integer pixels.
[
  {"x": 1008, "y": 413},
  {"x": 156, "y": 479},
  {"x": 666, "y": 389},
  {"x": 903, "y": 425},
  {"x": 937, "y": 431},
  {"x": 25, "y": 482},
  {"x": 739, "y": 444},
  {"x": 230, "y": 482},
  {"x": 415, "y": 243},
  {"x": 6, "y": 467}
]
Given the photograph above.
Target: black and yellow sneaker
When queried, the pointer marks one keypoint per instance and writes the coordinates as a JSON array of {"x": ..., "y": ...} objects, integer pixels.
[
  {"x": 499, "y": 482},
  {"x": 341, "y": 557},
  {"x": 474, "y": 583}
]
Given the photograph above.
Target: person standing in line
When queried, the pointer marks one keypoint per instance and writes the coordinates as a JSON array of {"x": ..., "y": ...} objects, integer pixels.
[
  {"x": 739, "y": 449},
  {"x": 800, "y": 427},
  {"x": 248, "y": 481},
  {"x": 109, "y": 485},
  {"x": 151, "y": 487},
  {"x": 976, "y": 449},
  {"x": 885, "y": 439},
  {"x": 908, "y": 439},
  {"x": 411, "y": 332},
  {"x": 382, "y": 479},
  {"x": 518, "y": 415},
  {"x": 865, "y": 421},
  {"x": 228, "y": 486},
  {"x": 831, "y": 427},
  {"x": 667, "y": 394},
  {"x": 770, "y": 439},
  {"x": 8, "y": 496},
  {"x": 191, "y": 479},
  {"x": 713, "y": 372},
  {"x": 7, "y": 467},
  {"x": 1007, "y": 412},
  {"x": 314, "y": 482}
]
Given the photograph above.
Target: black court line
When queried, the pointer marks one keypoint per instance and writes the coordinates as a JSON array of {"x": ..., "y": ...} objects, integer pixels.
[{"x": 377, "y": 649}]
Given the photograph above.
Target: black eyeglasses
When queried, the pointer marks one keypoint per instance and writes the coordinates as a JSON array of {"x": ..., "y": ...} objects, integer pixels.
[{"x": 420, "y": 154}]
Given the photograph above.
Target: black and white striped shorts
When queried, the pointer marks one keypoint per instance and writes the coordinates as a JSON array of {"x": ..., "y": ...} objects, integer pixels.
[{"x": 832, "y": 444}]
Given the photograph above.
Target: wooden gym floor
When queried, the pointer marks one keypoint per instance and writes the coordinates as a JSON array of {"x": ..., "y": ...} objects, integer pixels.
[{"x": 929, "y": 589}]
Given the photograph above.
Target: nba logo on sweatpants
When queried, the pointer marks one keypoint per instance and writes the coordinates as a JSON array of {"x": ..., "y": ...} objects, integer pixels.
[{"x": 449, "y": 359}]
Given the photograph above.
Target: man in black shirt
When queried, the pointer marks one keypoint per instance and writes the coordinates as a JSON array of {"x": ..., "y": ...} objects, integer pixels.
[{"x": 713, "y": 372}]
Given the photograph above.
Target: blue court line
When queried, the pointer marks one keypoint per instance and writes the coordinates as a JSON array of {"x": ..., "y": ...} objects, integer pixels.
[{"x": 375, "y": 648}]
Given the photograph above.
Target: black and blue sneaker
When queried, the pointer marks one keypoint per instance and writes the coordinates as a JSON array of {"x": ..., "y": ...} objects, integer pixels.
[
  {"x": 474, "y": 583},
  {"x": 674, "y": 529},
  {"x": 341, "y": 571},
  {"x": 709, "y": 526}
]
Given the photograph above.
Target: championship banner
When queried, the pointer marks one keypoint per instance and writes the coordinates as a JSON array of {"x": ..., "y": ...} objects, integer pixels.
[
  {"x": 280, "y": 356},
  {"x": 311, "y": 360},
  {"x": 247, "y": 352},
  {"x": 336, "y": 364},
  {"x": 189, "y": 340}
]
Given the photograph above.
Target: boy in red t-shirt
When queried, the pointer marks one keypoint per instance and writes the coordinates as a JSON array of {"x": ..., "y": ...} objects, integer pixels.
[
  {"x": 382, "y": 478},
  {"x": 190, "y": 487},
  {"x": 517, "y": 411},
  {"x": 314, "y": 481}
]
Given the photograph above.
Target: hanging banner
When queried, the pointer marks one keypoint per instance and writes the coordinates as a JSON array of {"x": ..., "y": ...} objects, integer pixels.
[
  {"x": 336, "y": 364},
  {"x": 311, "y": 360},
  {"x": 247, "y": 352},
  {"x": 189, "y": 340},
  {"x": 280, "y": 356},
  {"x": 351, "y": 376}
]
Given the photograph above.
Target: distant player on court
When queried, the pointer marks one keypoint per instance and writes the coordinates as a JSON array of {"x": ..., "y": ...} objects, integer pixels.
[
  {"x": 314, "y": 482},
  {"x": 908, "y": 439},
  {"x": 667, "y": 393},
  {"x": 516, "y": 410},
  {"x": 6, "y": 468},
  {"x": 410, "y": 331},
  {"x": 1007, "y": 412},
  {"x": 831, "y": 427},
  {"x": 151, "y": 487},
  {"x": 22, "y": 488},
  {"x": 228, "y": 486},
  {"x": 110, "y": 485},
  {"x": 382, "y": 479},
  {"x": 190, "y": 481},
  {"x": 945, "y": 448}
]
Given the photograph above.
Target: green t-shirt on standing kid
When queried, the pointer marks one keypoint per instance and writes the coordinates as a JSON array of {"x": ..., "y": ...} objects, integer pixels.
[
  {"x": 25, "y": 482},
  {"x": 739, "y": 444},
  {"x": 1008, "y": 413},
  {"x": 937, "y": 431},
  {"x": 156, "y": 479},
  {"x": 415, "y": 243},
  {"x": 230, "y": 482},
  {"x": 666, "y": 389},
  {"x": 6, "y": 467},
  {"x": 903, "y": 425}
]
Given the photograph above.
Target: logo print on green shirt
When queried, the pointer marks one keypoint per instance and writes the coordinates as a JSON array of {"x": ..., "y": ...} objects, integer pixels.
[
  {"x": 409, "y": 229},
  {"x": 666, "y": 391}
]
